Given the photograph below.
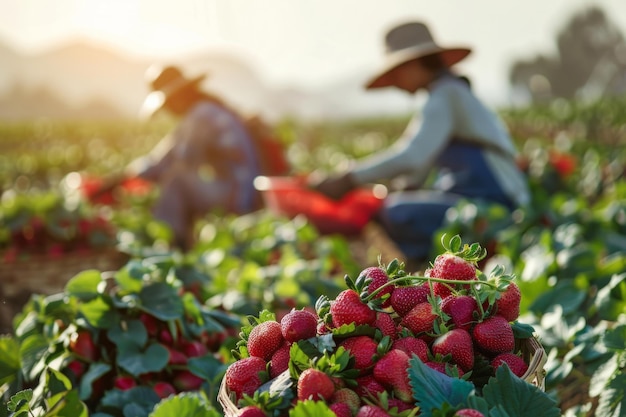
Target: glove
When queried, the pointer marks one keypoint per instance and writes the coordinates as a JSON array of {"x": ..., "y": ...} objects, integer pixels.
[{"x": 334, "y": 187}]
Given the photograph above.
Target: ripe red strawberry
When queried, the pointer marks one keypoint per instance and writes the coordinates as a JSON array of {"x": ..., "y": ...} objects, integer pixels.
[
  {"x": 349, "y": 397},
  {"x": 348, "y": 308},
  {"x": 245, "y": 376},
  {"x": 455, "y": 370},
  {"x": 494, "y": 335},
  {"x": 265, "y": 339},
  {"x": 164, "y": 389},
  {"x": 449, "y": 266},
  {"x": 251, "y": 411},
  {"x": 83, "y": 346},
  {"x": 412, "y": 345},
  {"x": 315, "y": 384},
  {"x": 363, "y": 348},
  {"x": 124, "y": 382},
  {"x": 176, "y": 356},
  {"x": 458, "y": 344},
  {"x": 187, "y": 381},
  {"x": 461, "y": 309},
  {"x": 515, "y": 363},
  {"x": 508, "y": 304},
  {"x": 468, "y": 412},
  {"x": 391, "y": 371},
  {"x": 369, "y": 410},
  {"x": 420, "y": 319},
  {"x": 399, "y": 405},
  {"x": 298, "y": 324},
  {"x": 379, "y": 278},
  {"x": 77, "y": 367},
  {"x": 403, "y": 299},
  {"x": 385, "y": 323},
  {"x": 368, "y": 385},
  {"x": 341, "y": 409},
  {"x": 280, "y": 360},
  {"x": 194, "y": 349}
]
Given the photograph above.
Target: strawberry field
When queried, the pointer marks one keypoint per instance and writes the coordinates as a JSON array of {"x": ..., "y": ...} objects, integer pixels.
[{"x": 266, "y": 316}]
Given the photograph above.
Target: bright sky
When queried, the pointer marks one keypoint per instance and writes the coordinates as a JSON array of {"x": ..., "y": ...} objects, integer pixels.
[{"x": 295, "y": 41}]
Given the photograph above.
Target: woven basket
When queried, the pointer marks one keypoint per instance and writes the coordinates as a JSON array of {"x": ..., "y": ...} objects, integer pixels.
[
  {"x": 533, "y": 353},
  {"x": 46, "y": 275}
]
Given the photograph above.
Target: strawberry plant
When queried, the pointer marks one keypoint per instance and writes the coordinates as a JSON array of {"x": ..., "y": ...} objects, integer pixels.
[{"x": 118, "y": 343}]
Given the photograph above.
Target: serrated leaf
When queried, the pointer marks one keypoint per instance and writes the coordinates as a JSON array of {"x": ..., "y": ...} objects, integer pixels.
[
  {"x": 20, "y": 399},
  {"x": 189, "y": 404},
  {"x": 612, "y": 401},
  {"x": 310, "y": 408},
  {"x": 517, "y": 397},
  {"x": 432, "y": 389}
]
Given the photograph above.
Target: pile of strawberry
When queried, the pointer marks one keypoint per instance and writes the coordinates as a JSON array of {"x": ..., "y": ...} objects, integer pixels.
[{"x": 353, "y": 353}]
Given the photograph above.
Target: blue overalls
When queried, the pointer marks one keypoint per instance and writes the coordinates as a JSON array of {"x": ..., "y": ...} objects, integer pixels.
[{"x": 411, "y": 218}]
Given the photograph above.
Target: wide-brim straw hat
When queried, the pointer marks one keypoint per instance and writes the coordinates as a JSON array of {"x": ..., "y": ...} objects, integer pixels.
[
  {"x": 164, "y": 82},
  {"x": 407, "y": 42}
]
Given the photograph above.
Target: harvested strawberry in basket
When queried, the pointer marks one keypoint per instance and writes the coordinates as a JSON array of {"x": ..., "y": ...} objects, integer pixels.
[{"x": 446, "y": 342}]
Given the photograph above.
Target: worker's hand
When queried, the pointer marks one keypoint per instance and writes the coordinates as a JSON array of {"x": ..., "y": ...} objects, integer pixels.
[{"x": 333, "y": 187}]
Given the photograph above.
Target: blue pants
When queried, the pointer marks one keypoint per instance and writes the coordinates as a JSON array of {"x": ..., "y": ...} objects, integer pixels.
[{"x": 412, "y": 217}]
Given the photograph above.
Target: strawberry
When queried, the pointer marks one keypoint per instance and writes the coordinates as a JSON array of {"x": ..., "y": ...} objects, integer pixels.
[
  {"x": 514, "y": 362},
  {"x": 369, "y": 410},
  {"x": 403, "y": 299},
  {"x": 461, "y": 309},
  {"x": 194, "y": 349},
  {"x": 176, "y": 356},
  {"x": 265, "y": 339},
  {"x": 441, "y": 367},
  {"x": 458, "y": 344},
  {"x": 251, "y": 411},
  {"x": 349, "y": 397},
  {"x": 348, "y": 308},
  {"x": 298, "y": 324},
  {"x": 187, "y": 381},
  {"x": 450, "y": 266},
  {"x": 245, "y": 376},
  {"x": 124, "y": 382},
  {"x": 341, "y": 409},
  {"x": 77, "y": 367},
  {"x": 315, "y": 384},
  {"x": 494, "y": 335},
  {"x": 150, "y": 322},
  {"x": 391, "y": 371},
  {"x": 384, "y": 322},
  {"x": 420, "y": 319},
  {"x": 378, "y": 278},
  {"x": 468, "y": 412},
  {"x": 83, "y": 346},
  {"x": 412, "y": 345},
  {"x": 508, "y": 304},
  {"x": 368, "y": 385},
  {"x": 164, "y": 389},
  {"x": 363, "y": 348},
  {"x": 280, "y": 360},
  {"x": 398, "y": 404}
]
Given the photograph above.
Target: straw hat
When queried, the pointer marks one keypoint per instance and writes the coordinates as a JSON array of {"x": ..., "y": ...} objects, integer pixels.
[
  {"x": 164, "y": 83},
  {"x": 410, "y": 41}
]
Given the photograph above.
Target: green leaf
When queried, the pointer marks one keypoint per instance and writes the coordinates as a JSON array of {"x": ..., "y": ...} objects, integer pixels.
[
  {"x": 162, "y": 301},
  {"x": 432, "y": 389},
  {"x": 612, "y": 401},
  {"x": 207, "y": 367},
  {"x": 20, "y": 400},
  {"x": 137, "y": 401},
  {"x": 9, "y": 359},
  {"x": 95, "y": 371},
  {"x": 189, "y": 404},
  {"x": 66, "y": 404},
  {"x": 522, "y": 330},
  {"x": 310, "y": 408},
  {"x": 136, "y": 361},
  {"x": 99, "y": 313},
  {"x": 32, "y": 350},
  {"x": 57, "y": 382},
  {"x": 84, "y": 285},
  {"x": 516, "y": 397},
  {"x": 131, "y": 332}
]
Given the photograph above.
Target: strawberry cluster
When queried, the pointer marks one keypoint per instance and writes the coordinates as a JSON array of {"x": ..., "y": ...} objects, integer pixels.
[{"x": 353, "y": 353}]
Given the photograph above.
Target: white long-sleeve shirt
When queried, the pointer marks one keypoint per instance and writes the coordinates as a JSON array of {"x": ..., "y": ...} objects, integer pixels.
[{"x": 451, "y": 111}]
